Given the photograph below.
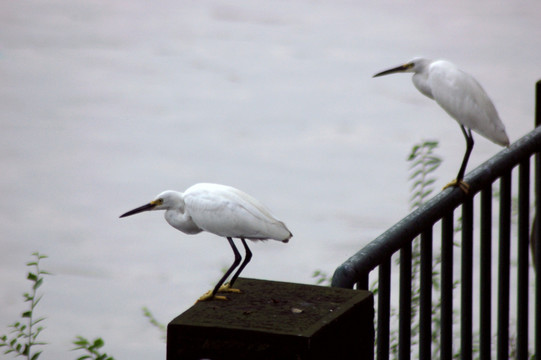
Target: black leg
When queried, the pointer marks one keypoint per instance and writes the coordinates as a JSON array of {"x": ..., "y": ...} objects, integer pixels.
[
  {"x": 469, "y": 147},
  {"x": 230, "y": 270},
  {"x": 247, "y": 259}
]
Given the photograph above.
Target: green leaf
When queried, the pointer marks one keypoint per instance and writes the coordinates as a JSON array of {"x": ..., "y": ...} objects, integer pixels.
[
  {"x": 38, "y": 283},
  {"x": 37, "y": 332},
  {"x": 37, "y": 321},
  {"x": 32, "y": 276},
  {"x": 416, "y": 184},
  {"x": 37, "y": 301},
  {"x": 432, "y": 160},
  {"x": 415, "y": 174},
  {"x": 432, "y": 168},
  {"x": 81, "y": 341},
  {"x": 414, "y": 149},
  {"x": 36, "y": 355},
  {"x": 98, "y": 343},
  {"x": 26, "y": 314}
]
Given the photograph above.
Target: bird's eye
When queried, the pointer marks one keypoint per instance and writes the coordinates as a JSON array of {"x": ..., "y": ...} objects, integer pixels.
[{"x": 159, "y": 202}]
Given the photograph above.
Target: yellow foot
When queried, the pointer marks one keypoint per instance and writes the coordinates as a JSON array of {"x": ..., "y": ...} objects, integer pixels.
[
  {"x": 460, "y": 183},
  {"x": 208, "y": 296},
  {"x": 228, "y": 288}
]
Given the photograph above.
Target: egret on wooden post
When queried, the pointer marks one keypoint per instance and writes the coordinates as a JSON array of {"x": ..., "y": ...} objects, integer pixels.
[
  {"x": 462, "y": 97},
  {"x": 221, "y": 210}
]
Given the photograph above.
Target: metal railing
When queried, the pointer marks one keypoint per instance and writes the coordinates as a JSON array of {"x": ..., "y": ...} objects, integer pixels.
[{"x": 440, "y": 209}]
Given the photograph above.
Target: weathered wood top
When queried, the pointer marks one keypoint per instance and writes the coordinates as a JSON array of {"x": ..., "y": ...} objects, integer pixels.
[{"x": 273, "y": 307}]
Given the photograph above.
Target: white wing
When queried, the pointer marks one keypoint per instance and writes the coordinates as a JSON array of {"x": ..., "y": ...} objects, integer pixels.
[
  {"x": 228, "y": 212},
  {"x": 462, "y": 97}
]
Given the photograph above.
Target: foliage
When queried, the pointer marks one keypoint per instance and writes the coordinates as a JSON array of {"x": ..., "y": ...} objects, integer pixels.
[
  {"x": 26, "y": 331},
  {"x": 154, "y": 322},
  {"x": 423, "y": 163},
  {"x": 321, "y": 277},
  {"x": 92, "y": 348}
]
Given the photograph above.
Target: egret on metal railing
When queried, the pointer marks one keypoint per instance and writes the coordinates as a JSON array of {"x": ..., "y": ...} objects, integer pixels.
[{"x": 377, "y": 254}]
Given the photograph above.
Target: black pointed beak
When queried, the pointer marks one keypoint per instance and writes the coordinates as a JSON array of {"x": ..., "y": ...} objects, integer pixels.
[
  {"x": 397, "y": 69},
  {"x": 146, "y": 207}
]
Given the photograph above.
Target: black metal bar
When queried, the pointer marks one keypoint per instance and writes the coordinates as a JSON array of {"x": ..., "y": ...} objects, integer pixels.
[
  {"x": 485, "y": 276},
  {"x": 504, "y": 267},
  {"x": 466, "y": 288},
  {"x": 360, "y": 264},
  {"x": 446, "y": 351},
  {"x": 523, "y": 257},
  {"x": 362, "y": 281},
  {"x": 538, "y": 103},
  {"x": 384, "y": 310},
  {"x": 425, "y": 301},
  {"x": 536, "y": 238},
  {"x": 404, "y": 321}
]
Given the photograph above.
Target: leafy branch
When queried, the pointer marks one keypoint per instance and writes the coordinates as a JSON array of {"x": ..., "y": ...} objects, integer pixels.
[
  {"x": 423, "y": 163},
  {"x": 92, "y": 348},
  {"x": 154, "y": 322},
  {"x": 25, "y": 332},
  {"x": 321, "y": 277}
]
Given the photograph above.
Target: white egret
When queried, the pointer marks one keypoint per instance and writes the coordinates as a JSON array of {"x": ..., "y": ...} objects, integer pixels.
[
  {"x": 221, "y": 210},
  {"x": 462, "y": 97}
]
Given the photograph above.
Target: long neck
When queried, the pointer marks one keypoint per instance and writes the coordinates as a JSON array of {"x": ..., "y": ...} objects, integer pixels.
[
  {"x": 181, "y": 220},
  {"x": 420, "y": 80}
]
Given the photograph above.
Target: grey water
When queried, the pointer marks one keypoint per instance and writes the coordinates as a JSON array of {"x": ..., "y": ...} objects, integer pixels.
[{"x": 105, "y": 104}]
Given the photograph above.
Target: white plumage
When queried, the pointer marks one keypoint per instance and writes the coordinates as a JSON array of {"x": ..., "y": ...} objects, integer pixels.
[
  {"x": 221, "y": 210},
  {"x": 227, "y": 211},
  {"x": 462, "y": 97}
]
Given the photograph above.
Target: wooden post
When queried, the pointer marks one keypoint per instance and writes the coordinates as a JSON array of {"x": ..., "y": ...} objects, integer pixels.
[{"x": 276, "y": 320}]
